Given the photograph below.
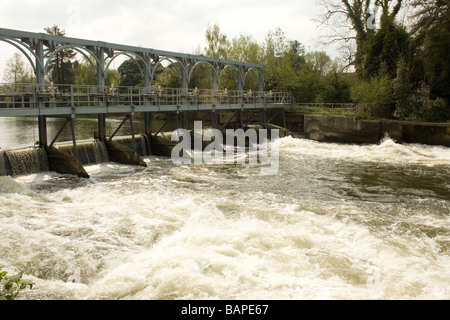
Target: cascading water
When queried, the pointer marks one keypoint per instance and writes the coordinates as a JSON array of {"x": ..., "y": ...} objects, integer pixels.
[
  {"x": 23, "y": 161},
  {"x": 335, "y": 222}
]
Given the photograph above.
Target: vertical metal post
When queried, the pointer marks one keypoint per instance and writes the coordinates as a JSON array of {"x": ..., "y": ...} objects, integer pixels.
[
  {"x": 184, "y": 92},
  {"x": 283, "y": 115},
  {"x": 261, "y": 80},
  {"x": 42, "y": 124},
  {"x": 262, "y": 118},
  {"x": 148, "y": 131},
  {"x": 100, "y": 86},
  {"x": 241, "y": 118},
  {"x": 40, "y": 75},
  {"x": 240, "y": 84},
  {"x": 185, "y": 119},
  {"x": 214, "y": 120},
  {"x": 101, "y": 127},
  {"x": 74, "y": 140},
  {"x": 132, "y": 131}
]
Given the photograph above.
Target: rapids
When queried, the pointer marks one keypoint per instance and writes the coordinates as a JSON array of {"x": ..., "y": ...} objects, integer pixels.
[{"x": 336, "y": 222}]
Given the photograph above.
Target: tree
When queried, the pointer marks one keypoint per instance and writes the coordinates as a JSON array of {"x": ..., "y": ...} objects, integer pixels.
[
  {"x": 375, "y": 94},
  {"x": 384, "y": 47},
  {"x": 131, "y": 73},
  {"x": 407, "y": 107},
  {"x": 353, "y": 21},
  {"x": 61, "y": 68},
  {"x": 86, "y": 75},
  {"x": 431, "y": 47},
  {"x": 17, "y": 72},
  {"x": 217, "y": 44}
]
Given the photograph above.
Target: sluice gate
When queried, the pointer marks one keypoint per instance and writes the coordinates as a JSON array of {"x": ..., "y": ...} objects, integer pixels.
[{"x": 45, "y": 99}]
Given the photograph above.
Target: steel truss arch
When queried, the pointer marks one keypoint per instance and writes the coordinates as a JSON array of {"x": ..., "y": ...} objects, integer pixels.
[
  {"x": 229, "y": 66},
  {"x": 20, "y": 45},
  {"x": 98, "y": 54},
  {"x": 132, "y": 55},
  {"x": 181, "y": 72},
  {"x": 213, "y": 72},
  {"x": 252, "y": 71},
  {"x": 78, "y": 49}
]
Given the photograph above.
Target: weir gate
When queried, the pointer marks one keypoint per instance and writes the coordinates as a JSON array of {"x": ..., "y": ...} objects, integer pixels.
[{"x": 44, "y": 99}]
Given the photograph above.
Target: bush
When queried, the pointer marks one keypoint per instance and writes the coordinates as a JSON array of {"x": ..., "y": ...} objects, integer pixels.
[
  {"x": 376, "y": 95},
  {"x": 436, "y": 111},
  {"x": 410, "y": 109},
  {"x": 10, "y": 286}
]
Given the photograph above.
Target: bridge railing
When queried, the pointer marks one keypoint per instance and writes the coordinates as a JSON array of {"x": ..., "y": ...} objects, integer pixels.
[
  {"x": 326, "y": 108},
  {"x": 32, "y": 96}
]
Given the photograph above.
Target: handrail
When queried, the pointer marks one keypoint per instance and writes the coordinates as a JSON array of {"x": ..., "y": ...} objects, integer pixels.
[{"x": 32, "y": 96}]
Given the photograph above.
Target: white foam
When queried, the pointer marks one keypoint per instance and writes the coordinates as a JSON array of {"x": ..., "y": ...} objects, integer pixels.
[{"x": 212, "y": 232}]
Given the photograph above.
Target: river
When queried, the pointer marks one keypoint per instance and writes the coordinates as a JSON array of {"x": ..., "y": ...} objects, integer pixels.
[{"x": 336, "y": 222}]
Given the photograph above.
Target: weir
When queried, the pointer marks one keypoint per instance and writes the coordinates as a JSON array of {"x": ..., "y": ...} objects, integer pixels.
[{"x": 45, "y": 99}]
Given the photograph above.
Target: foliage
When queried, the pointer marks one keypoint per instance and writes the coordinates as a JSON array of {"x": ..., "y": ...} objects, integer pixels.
[
  {"x": 354, "y": 22},
  {"x": 86, "y": 75},
  {"x": 131, "y": 73},
  {"x": 383, "y": 49},
  {"x": 436, "y": 111},
  {"x": 431, "y": 47},
  {"x": 216, "y": 43},
  {"x": 16, "y": 71},
  {"x": 61, "y": 68},
  {"x": 375, "y": 94},
  {"x": 11, "y": 286}
]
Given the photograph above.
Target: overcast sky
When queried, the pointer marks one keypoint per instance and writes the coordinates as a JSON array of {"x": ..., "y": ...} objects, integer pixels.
[{"x": 176, "y": 25}]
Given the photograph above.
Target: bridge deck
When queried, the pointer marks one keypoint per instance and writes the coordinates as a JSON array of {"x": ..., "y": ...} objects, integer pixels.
[{"x": 29, "y": 100}]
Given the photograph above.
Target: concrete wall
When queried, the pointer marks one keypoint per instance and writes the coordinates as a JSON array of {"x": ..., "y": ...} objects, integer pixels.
[{"x": 352, "y": 130}]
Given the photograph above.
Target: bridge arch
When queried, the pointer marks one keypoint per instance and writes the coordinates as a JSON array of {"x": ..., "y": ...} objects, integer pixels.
[
  {"x": 88, "y": 57},
  {"x": 135, "y": 57},
  {"x": 238, "y": 74},
  {"x": 182, "y": 72},
  {"x": 255, "y": 72},
  {"x": 213, "y": 73},
  {"x": 26, "y": 50}
]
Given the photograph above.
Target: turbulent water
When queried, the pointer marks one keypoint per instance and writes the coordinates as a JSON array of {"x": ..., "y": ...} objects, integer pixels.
[{"x": 336, "y": 222}]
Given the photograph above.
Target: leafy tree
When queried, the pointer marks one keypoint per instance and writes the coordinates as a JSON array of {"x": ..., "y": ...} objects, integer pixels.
[
  {"x": 353, "y": 21},
  {"x": 61, "y": 68},
  {"x": 16, "y": 71},
  {"x": 86, "y": 75},
  {"x": 217, "y": 43},
  {"x": 335, "y": 88},
  {"x": 376, "y": 95},
  {"x": 384, "y": 47},
  {"x": 131, "y": 73},
  {"x": 431, "y": 49}
]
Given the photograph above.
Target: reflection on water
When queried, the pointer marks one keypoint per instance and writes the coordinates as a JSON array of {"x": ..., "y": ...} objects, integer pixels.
[{"x": 23, "y": 132}]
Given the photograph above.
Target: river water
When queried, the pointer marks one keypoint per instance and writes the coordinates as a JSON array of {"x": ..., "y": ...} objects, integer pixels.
[{"x": 336, "y": 222}]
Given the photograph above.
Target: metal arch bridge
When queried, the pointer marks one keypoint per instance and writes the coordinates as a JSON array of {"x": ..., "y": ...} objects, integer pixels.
[
  {"x": 51, "y": 100},
  {"x": 40, "y": 48}
]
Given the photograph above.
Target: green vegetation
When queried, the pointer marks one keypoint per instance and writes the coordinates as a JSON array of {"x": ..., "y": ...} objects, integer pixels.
[
  {"x": 11, "y": 286},
  {"x": 390, "y": 68},
  {"x": 402, "y": 67}
]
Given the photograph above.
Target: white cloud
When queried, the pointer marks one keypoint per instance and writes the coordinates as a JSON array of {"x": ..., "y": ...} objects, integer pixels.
[{"x": 177, "y": 25}]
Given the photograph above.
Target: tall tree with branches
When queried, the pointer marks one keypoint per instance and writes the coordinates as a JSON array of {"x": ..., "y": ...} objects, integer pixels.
[
  {"x": 431, "y": 31},
  {"x": 352, "y": 22},
  {"x": 61, "y": 68}
]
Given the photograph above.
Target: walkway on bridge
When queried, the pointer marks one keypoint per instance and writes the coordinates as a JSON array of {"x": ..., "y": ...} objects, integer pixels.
[{"x": 45, "y": 99}]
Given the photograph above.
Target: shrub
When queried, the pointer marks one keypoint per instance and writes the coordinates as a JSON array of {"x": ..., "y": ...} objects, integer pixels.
[
  {"x": 436, "y": 111},
  {"x": 376, "y": 95},
  {"x": 10, "y": 286}
]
